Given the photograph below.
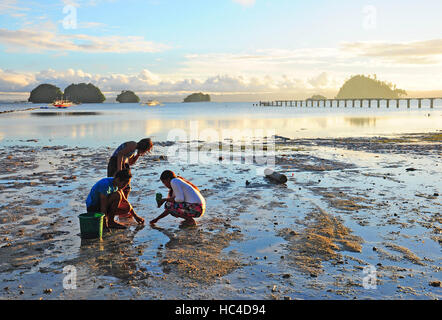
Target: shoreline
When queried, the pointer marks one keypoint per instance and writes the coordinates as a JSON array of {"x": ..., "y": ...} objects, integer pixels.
[{"x": 349, "y": 203}]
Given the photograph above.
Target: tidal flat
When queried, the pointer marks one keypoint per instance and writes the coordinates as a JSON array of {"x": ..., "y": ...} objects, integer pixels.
[{"x": 359, "y": 218}]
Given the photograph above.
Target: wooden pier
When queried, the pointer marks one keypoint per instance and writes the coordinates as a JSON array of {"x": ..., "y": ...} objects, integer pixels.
[{"x": 370, "y": 102}]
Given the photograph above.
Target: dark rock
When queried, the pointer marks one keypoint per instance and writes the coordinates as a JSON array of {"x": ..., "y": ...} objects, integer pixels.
[
  {"x": 197, "y": 97},
  {"x": 83, "y": 93},
  {"x": 45, "y": 93},
  {"x": 128, "y": 97}
]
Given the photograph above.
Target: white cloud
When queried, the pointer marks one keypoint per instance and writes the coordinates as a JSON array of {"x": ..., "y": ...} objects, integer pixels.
[
  {"x": 245, "y": 3},
  {"x": 415, "y": 52},
  {"x": 38, "y": 41},
  {"x": 146, "y": 81},
  {"x": 320, "y": 81}
]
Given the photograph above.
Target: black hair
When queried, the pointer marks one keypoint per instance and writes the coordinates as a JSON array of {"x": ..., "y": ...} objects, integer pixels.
[
  {"x": 167, "y": 175},
  {"x": 144, "y": 144},
  {"x": 123, "y": 175}
]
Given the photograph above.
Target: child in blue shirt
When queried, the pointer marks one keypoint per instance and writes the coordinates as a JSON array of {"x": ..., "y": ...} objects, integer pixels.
[{"x": 105, "y": 197}]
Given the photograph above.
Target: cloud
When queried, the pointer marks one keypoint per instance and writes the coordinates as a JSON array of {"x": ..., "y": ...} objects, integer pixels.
[
  {"x": 10, "y": 6},
  {"x": 38, "y": 41},
  {"x": 245, "y": 3},
  {"x": 12, "y": 9},
  {"x": 11, "y": 81},
  {"x": 146, "y": 81},
  {"x": 416, "y": 52}
]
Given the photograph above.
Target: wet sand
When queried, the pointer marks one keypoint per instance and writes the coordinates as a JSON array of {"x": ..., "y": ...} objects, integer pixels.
[{"x": 349, "y": 203}]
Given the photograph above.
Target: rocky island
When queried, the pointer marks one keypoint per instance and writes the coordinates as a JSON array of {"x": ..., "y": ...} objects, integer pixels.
[
  {"x": 364, "y": 87},
  {"x": 197, "y": 97},
  {"x": 83, "y": 93},
  {"x": 127, "y": 96},
  {"x": 317, "y": 97},
  {"x": 45, "y": 93}
]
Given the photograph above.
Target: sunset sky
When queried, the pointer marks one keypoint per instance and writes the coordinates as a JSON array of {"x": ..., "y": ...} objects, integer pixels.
[{"x": 167, "y": 47}]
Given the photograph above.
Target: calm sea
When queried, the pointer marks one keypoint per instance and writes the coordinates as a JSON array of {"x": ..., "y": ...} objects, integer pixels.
[{"x": 110, "y": 123}]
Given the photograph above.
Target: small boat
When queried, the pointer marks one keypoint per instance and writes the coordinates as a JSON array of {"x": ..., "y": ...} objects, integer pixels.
[
  {"x": 152, "y": 103},
  {"x": 62, "y": 103}
]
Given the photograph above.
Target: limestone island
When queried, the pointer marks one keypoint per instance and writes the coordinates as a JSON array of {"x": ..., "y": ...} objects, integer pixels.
[
  {"x": 127, "y": 96},
  {"x": 364, "y": 87},
  {"x": 45, "y": 93},
  {"x": 317, "y": 97},
  {"x": 197, "y": 97},
  {"x": 83, "y": 93}
]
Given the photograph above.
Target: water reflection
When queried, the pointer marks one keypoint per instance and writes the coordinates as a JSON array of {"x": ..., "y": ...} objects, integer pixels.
[
  {"x": 64, "y": 114},
  {"x": 102, "y": 128},
  {"x": 114, "y": 256},
  {"x": 361, "y": 122}
]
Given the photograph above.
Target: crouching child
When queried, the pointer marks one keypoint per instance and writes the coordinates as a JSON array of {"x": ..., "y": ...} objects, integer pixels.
[
  {"x": 184, "y": 199},
  {"x": 105, "y": 197}
]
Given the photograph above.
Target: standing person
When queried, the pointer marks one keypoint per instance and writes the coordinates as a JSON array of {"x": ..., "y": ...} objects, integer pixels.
[
  {"x": 105, "y": 197},
  {"x": 124, "y": 156},
  {"x": 184, "y": 199}
]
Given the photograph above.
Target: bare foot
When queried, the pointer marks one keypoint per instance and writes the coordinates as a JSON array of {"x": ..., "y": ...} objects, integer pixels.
[
  {"x": 188, "y": 223},
  {"x": 117, "y": 225}
]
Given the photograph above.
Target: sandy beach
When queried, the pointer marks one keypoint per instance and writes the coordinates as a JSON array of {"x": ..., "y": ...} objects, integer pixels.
[{"x": 352, "y": 208}]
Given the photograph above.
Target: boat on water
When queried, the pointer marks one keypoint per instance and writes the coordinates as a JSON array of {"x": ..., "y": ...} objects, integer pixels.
[
  {"x": 62, "y": 103},
  {"x": 152, "y": 103}
]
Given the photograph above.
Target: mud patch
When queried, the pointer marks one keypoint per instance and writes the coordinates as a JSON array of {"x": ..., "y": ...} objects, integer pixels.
[
  {"x": 322, "y": 240},
  {"x": 197, "y": 255}
]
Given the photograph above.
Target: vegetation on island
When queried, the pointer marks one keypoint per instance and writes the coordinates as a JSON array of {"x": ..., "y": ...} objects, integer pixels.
[
  {"x": 127, "y": 96},
  {"x": 45, "y": 93},
  {"x": 317, "y": 97},
  {"x": 83, "y": 93},
  {"x": 361, "y": 86},
  {"x": 77, "y": 93},
  {"x": 197, "y": 97}
]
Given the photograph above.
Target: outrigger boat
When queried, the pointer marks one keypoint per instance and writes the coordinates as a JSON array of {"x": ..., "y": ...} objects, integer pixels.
[{"x": 62, "y": 103}]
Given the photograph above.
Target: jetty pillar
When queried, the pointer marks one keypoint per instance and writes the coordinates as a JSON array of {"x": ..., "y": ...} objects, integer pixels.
[
  {"x": 379, "y": 103},
  {"x": 431, "y": 103},
  {"x": 361, "y": 103},
  {"x": 388, "y": 103},
  {"x": 419, "y": 103},
  {"x": 408, "y": 103}
]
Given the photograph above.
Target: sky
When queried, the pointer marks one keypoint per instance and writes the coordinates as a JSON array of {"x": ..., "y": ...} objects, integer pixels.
[{"x": 243, "y": 47}]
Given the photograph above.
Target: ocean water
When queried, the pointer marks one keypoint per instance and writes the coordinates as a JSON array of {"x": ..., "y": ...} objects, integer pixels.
[{"x": 110, "y": 123}]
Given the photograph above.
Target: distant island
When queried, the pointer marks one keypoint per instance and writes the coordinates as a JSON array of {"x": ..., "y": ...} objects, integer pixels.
[
  {"x": 83, "y": 93},
  {"x": 77, "y": 93},
  {"x": 45, "y": 93},
  {"x": 197, "y": 97},
  {"x": 127, "y": 96},
  {"x": 317, "y": 97},
  {"x": 361, "y": 86}
]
